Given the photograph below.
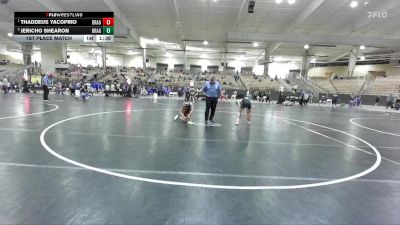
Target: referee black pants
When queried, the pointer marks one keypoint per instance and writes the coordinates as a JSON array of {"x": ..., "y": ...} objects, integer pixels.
[
  {"x": 211, "y": 103},
  {"x": 45, "y": 92}
]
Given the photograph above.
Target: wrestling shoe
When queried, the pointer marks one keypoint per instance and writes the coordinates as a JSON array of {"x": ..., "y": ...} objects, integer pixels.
[
  {"x": 237, "y": 122},
  {"x": 176, "y": 117}
]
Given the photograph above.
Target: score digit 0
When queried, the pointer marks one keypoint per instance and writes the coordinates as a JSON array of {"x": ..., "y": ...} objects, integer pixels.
[
  {"x": 108, "y": 30},
  {"x": 109, "y": 22}
]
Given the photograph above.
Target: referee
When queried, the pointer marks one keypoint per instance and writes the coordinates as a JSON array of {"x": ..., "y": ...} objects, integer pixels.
[
  {"x": 46, "y": 82},
  {"x": 212, "y": 90}
]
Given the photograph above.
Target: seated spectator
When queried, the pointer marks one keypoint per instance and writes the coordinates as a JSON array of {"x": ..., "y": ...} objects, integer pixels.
[
  {"x": 390, "y": 101},
  {"x": 397, "y": 103},
  {"x": 377, "y": 101}
]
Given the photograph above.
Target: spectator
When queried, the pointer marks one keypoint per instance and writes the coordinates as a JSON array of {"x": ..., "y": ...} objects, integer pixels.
[
  {"x": 134, "y": 90},
  {"x": 255, "y": 94},
  {"x": 72, "y": 88},
  {"x": 311, "y": 97},
  {"x": 4, "y": 85},
  {"x": 301, "y": 98},
  {"x": 222, "y": 96},
  {"x": 35, "y": 86},
  {"x": 261, "y": 97},
  {"x": 335, "y": 99},
  {"x": 268, "y": 98},
  {"x": 397, "y": 103},
  {"x": 377, "y": 101},
  {"x": 323, "y": 99},
  {"x": 12, "y": 87},
  {"x": 353, "y": 100},
  {"x": 8, "y": 86},
  {"x": 390, "y": 101},
  {"x": 305, "y": 98},
  {"x": 159, "y": 89},
  {"x": 25, "y": 88}
]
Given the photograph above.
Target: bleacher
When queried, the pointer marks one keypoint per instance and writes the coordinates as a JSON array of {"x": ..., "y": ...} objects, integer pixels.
[
  {"x": 297, "y": 82},
  {"x": 348, "y": 86},
  {"x": 386, "y": 86},
  {"x": 179, "y": 79},
  {"x": 323, "y": 83},
  {"x": 227, "y": 81},
  {"x": 77, "y": 74},
  {"x": 118, "y": 75},
  {"x": 11, "y": 71},
  {"x": 172, "y": 78},
  {"x": 260, "y": 82}
]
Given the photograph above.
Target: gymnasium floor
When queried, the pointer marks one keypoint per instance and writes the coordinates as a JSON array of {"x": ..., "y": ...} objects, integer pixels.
[{"x": 69, "y": 162}]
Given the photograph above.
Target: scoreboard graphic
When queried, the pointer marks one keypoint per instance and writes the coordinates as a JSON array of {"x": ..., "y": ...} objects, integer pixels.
[{"x": 64, "y": 27}]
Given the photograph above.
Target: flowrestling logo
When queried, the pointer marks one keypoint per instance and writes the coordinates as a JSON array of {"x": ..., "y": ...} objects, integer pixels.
[{"x": 381, "y": 14}]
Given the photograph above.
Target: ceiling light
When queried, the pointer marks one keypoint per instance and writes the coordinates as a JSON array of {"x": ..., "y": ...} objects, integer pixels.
[
  {"x": 362, "y": 57},
  {"x": 215, "y": 0},
  {"x": 353, "y": 4},
  {"x": 255, "y": 44},
  {"x": 362, "y": 47},
  {"x": 278, "y": 1},
  {"x": 10, "y": 34},
  {"x": 365, "y": 3},
  {"x": 205, "y": 42},
  {"x": 313, "y": 60},
  {"x": 291, "y": 2},
  {"x": 168, "y": 55},
  {"x": 306, "y": 46}
]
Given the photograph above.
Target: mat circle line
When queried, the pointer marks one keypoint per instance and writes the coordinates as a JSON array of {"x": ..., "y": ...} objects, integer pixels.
[
  {"x": 369, "y": 128},
  {"x": 32, "y": 114},
  {"x": 200, "y": 185}
]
